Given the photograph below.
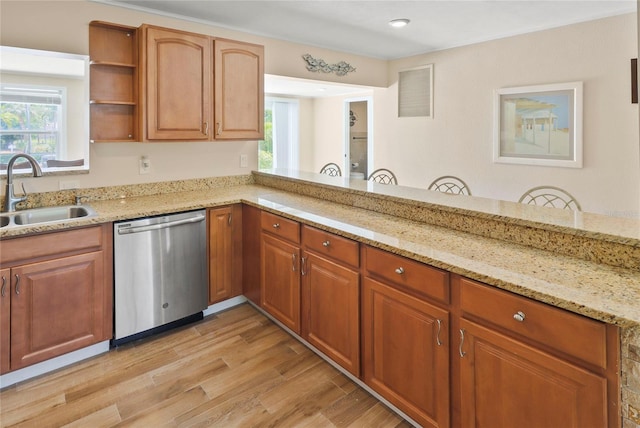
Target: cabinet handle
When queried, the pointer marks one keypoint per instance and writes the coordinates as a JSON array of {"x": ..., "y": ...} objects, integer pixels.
[
  {"x": 438, "y": 341},
  {"x": 17, "y": 284},
  {"x": 293, "y": 262},
  {"x": 229, "y": 220},
  {"x": 400, "y": 270},
  {"x": 276, "y": 225},
  {"x": 462, "y": 353},
  {"x": 206, "y": 128},
  {"x": 219, "y": 128},
  {"x": 519, "y": 316},
  {"x": 326, "y": 243},
  {"x": 303, "y": 260},
  {"x": 4, "y": 286}
]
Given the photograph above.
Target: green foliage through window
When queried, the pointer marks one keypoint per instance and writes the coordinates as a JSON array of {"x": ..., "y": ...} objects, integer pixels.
[{"x": 30, "y": 122}]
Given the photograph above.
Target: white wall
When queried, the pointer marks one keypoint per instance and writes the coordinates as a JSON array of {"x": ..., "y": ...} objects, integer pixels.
[{"x": 63, "y": 26}]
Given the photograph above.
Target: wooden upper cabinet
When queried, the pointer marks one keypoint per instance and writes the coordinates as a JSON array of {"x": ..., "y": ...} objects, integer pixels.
[
  {"x": 239, "y": 90},
  {"x": 113, "y": 50},
  {"x": 159, "y": 84},
  {"x": 177, "y": 85}
]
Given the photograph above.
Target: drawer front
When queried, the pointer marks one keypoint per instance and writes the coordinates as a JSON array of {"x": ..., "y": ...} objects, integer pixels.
[
  {"x": 406, "y": 273},
  {"x": 342, "y": 250},
  {"x": 280, "y": 226},
  {"x": 561, "y": 330},
  {"x": 51, "y": 244}
]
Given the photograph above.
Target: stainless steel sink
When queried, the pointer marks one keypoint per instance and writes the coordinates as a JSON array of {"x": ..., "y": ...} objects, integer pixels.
[{"x": 46, "y": 215}]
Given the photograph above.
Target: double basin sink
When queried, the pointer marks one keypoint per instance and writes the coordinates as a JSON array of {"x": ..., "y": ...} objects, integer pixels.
[{"x": 47, "y": 215}]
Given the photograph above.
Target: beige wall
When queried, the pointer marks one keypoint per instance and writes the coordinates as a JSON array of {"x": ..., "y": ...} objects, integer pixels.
[
  {"x": 458, "y": 140},
  {"x": 63, "y": 26}
]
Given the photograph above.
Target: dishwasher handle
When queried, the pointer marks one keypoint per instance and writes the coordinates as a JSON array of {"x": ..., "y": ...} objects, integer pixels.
[{"x": 138, "y": 229}]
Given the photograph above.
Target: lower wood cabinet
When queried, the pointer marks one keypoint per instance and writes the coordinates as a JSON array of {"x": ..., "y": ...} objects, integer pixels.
[
  {"x": 444, "y": 349},
  {"x": 527, "y": 364},
  {"x": 280, "y": 269},
  {"x": 406, "y": 352},
  {"x": 5, "y": 320},
  {"x": 506, "y": 383},
  {"x": 225, "y": 252},
  {"x": 56, "y": 295},
  {"x": 251, "y": 253},
  {"x": 330, "y": 303}
]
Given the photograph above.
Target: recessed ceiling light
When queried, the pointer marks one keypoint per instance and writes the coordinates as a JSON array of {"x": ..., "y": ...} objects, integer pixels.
[{"x": 399, "y": 23}]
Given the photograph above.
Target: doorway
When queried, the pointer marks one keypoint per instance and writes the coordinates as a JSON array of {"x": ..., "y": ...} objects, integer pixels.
[{"x": 358, "y": 147}]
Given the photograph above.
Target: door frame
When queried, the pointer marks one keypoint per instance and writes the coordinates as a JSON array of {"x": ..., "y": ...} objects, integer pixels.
[{"x": 346, "y": 164}]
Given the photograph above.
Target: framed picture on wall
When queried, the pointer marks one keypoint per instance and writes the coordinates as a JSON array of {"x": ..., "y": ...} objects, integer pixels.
[{"x": 539, "y": 125}]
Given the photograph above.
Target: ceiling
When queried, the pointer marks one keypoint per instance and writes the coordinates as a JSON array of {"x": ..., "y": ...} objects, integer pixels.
[{"x": 361, "y": 26}]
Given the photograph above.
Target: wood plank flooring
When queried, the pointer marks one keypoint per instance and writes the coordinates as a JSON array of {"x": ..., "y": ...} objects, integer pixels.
[{"x": 233, "y": 369}]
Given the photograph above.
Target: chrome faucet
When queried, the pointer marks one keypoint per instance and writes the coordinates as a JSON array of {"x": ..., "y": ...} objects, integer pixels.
[{"x": 10, "y": 199}]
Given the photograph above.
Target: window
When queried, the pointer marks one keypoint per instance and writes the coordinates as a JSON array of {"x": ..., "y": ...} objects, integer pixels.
[
  {"x": 279, "y": 149},
  {"x": 31, "y": 121}
]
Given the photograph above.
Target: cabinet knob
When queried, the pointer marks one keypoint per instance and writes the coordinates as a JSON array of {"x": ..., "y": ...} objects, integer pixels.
[
  {"x": 276, "y": 225},
  {"x": 400, "y": 270},
  {"x": 326, "y": 243},
  {"x": 519, "y": 316}
]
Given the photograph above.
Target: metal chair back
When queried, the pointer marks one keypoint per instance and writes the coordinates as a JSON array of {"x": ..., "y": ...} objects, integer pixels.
[
  {"x": 383, "y": 176},
  {"x": 450, "y": 184},
  {"x": 550, "y": 196},
  {"x": 331, "y": 169}
]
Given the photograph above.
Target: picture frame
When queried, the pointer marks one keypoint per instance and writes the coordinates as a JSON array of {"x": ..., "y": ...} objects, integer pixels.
[{"x": 539, "y": 125}]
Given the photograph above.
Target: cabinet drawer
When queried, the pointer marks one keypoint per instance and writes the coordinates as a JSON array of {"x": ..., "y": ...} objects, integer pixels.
[
  {"x": 280, "y": 226},
  {"x": 406, "y": 273},
  {"x": 51, "y": 244},
  {"x": 561, "y": 330},
  {"x": 340, "y": 249}
]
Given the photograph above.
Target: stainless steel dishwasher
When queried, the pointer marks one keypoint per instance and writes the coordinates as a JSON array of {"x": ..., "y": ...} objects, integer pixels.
[{"x": 160, "y": 272}]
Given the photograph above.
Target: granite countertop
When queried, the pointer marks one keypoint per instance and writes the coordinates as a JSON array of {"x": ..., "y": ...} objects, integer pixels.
[{"x": 607, "y": 293}]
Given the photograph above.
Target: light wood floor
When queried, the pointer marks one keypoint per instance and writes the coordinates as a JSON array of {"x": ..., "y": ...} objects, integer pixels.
[{"x": 233, "y": 369}]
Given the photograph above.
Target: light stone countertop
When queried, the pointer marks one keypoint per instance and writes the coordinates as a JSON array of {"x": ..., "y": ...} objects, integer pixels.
[{"x": 607, "y": 293}]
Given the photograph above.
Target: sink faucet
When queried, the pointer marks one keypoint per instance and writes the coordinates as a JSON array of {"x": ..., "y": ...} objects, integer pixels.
[{"x": 10, "y": 199}]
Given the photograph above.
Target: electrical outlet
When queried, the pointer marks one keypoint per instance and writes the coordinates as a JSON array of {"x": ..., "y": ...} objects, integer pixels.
[
  {"x": 67, "y": 185},
  {"x": 244, "y": 161},
  {"x": 145, "y": 165}
]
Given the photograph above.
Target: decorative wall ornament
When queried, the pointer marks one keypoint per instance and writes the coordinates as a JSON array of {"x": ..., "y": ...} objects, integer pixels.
[{"x": 315, "y": 65}]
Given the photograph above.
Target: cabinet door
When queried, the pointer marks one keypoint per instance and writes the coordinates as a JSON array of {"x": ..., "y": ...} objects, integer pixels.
[
  {"x": 406, "y": 352},
  {"x": 5, "y": 321},
  {"x": 505, "y": 383},
  {"x": 57, "y": 306},
  {"x": 178, "y": 85},
  {"x": 223, "y": 278},
  {"x": 280, "y": 280},
  {"x": 239, "y": 90},
  {"x": 330, "y": 310}
]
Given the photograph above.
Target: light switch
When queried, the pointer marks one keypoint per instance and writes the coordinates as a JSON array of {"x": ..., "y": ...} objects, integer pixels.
[{"x": 145, "y": 165}]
